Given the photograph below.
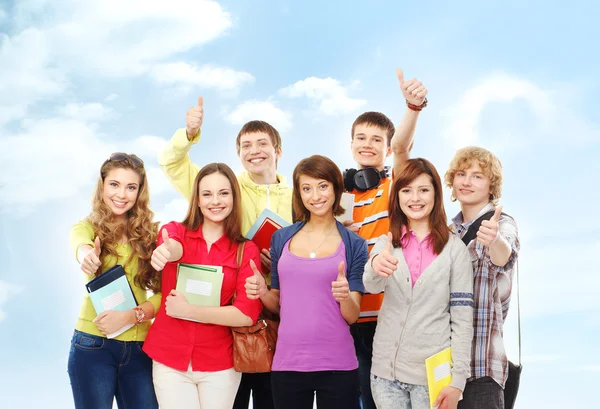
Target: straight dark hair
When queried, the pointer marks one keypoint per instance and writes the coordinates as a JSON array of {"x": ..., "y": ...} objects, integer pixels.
[
  {"x": 440, "y": 233},
  {"x": 233, "y": 223}
]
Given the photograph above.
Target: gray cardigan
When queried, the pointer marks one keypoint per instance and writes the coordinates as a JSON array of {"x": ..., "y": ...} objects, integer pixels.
[{"x": 417, "y": 322}]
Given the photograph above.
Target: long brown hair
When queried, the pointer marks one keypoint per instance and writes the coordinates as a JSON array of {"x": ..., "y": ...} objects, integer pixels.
[
  {"x": 440, "y": 233},
  {"x": 139, "y": 228},
  {"x": 233, "y": 223},
  {"x": 317, "y": 167}
]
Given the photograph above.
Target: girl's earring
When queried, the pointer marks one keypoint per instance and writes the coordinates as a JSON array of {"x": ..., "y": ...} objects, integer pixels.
[{"x": 452, "y": 198}]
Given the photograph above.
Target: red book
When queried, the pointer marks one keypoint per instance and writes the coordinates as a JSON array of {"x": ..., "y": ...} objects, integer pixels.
[{"x": 262, "y": 230}]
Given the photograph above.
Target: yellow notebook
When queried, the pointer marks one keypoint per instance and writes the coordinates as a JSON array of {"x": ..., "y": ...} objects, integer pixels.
[{"x": 439, "y": 373}]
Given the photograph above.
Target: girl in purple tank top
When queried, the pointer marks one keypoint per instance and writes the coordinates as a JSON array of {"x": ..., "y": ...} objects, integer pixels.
[{"x": 317, "y": 267}]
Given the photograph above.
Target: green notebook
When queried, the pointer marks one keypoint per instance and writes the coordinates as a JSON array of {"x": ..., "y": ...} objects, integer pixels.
[{"x": 201, "y": 284}]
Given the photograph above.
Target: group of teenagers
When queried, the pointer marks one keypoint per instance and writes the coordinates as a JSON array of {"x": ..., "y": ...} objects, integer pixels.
[{"x": 361, "y": 303}]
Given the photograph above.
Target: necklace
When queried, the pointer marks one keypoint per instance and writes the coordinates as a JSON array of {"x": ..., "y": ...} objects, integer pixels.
[{"x": 313, "y": 254}]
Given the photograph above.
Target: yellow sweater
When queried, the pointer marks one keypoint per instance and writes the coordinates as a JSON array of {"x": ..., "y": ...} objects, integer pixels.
[
  {"x": 176, "y": 164},
  {"x": 82, "y": 233}
]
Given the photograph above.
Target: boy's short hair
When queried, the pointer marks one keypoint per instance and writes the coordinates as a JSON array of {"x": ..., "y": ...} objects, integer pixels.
[
  {"x": 375, "y": 119},
  {"x": 259, "y": 126},
  {"x": 488, "y": 162}
]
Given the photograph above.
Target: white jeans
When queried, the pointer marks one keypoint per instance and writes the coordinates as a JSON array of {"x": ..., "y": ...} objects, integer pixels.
[{"x": 194, "y": 390}]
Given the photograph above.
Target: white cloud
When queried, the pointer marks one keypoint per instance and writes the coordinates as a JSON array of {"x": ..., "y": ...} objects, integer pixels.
[
  {"x": 7, "y": 291},
  {"x": 175, "y": 210},
  {"x": 108, "y": 39},
  {"x": 207, "y": 76},
  {"x": 27, "y": 75},
  {"x": 590, "y": 368},
  {"x": 330, "y": 96},
  {"x": 548, "y": 117},
  {"x": 261, "y": 110},
  {"x": 87, "y": 112},
  {"x": 539, "y": 290},
  {"x": 55, "y": 158},
  {"x": 111, "y": 97}
]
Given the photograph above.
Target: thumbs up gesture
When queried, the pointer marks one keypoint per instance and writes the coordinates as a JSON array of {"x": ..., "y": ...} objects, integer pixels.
[
  {"x": 340, "y": 287},
  {"x": 193, "y": 119},
  {"x": 256, "y": 286},
  {"x": 384, "y": 264},
  {"x": 413, "y": 90},
  {"x": 163, "y": 253},
  {"x": 91, "y": 261},
  {"x": 488, "y": 232}
]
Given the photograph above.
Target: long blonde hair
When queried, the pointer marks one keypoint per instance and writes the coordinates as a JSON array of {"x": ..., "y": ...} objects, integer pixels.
[{"x": 139, "y": 228}]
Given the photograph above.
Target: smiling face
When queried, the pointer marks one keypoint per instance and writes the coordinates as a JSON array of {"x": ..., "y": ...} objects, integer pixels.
[
  {"x": 417, "y": 199},
  {"x": 120, "y": 190},
  {"x": 318, "y": 195},
  {"x": 257, "y": 153},
  {"x": 369, "y": 146},
  {"x": 216, "y": 197},
  {"x": 471, "y": 186}
]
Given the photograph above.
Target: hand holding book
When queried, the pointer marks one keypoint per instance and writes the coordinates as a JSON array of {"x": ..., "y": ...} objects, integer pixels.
[
  {"x": 177, "y": 306},
  {"x": 111, "y": 321}
]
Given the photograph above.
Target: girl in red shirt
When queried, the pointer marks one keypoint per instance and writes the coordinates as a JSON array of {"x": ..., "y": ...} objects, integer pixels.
[{"x": 191, "y": 346}]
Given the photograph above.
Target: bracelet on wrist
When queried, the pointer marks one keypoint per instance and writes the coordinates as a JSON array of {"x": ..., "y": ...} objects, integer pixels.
[
  {"x": 417, "y": 108},
  {"x": 139, "y": 315}
]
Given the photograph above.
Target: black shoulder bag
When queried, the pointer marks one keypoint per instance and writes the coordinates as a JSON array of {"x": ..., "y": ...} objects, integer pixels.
[{"x": 514, "y": 371}]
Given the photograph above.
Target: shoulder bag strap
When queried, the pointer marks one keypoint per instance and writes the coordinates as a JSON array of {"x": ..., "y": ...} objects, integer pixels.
[{"x": 238, "y": 259}]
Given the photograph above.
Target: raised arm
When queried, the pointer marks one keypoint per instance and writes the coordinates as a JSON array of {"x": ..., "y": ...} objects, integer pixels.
[
  {"x": 402, "y": 142},
  {"x": 175, "y": 160}
]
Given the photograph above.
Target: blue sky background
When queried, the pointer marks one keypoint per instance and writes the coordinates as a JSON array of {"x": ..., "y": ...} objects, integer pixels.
[{"x": 79, "y": 80}]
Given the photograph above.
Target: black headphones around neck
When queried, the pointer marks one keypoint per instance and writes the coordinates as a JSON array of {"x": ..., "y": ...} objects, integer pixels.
[{"x": 364, "y": 179}]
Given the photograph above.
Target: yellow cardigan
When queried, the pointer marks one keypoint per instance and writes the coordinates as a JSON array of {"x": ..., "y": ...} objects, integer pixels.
[{"x": 82, "y": 233}]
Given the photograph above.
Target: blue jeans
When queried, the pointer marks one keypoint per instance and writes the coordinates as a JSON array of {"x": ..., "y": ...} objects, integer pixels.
[
  {"x": 102, "y": 369},
  {"x": 363, "y": 334},
  {"x": 399, "y": 395}
]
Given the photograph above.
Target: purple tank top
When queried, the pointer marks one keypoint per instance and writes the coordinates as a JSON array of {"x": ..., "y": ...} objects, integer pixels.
[{"x": 313, "y": 335}]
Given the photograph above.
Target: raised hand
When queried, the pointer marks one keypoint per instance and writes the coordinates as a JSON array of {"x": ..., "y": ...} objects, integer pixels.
[
  {"x": 91, "y": 261},
  {"x": 340, "y": 287},
  {"x": 413, "y": 90},
  {"x": 385, "y": 263},
  {"x": 194, "y": 117},
  {"x": 111, "y": 320},
  {"x": 489, "y": 232},
  {"x": 256, "y": 286},
  {"x": 176, "y": 305},
  {"x": 162, "y": 254}
]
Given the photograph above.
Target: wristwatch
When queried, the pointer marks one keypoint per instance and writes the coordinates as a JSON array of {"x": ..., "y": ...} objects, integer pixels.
[{"x": 139, "y": 315}]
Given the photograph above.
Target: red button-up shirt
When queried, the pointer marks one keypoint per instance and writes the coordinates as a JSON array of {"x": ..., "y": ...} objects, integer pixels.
[{"x": 175, "y": 342}]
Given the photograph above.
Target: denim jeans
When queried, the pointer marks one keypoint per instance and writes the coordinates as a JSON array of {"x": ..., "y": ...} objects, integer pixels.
[
  {"x": 482, "y": 393},
  {"x": 363, "y": 334},
  {"x": 102, "y": 369},
  {"x": 399, "y": 395}
]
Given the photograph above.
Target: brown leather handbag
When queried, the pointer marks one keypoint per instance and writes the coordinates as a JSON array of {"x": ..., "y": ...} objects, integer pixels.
[{"x": 254, "y": 346}]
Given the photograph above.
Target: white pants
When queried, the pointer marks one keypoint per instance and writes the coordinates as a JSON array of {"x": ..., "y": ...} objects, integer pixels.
[{"x": 194, "y": 390}]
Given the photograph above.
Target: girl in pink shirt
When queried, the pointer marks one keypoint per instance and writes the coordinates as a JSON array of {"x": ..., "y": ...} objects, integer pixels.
[{"x": 427, "y": 278}]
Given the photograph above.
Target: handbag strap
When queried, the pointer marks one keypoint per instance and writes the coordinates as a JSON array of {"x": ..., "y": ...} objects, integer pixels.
[
  {"x": 238, "y": 259},
  {"x": 519, "y": 311}
]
